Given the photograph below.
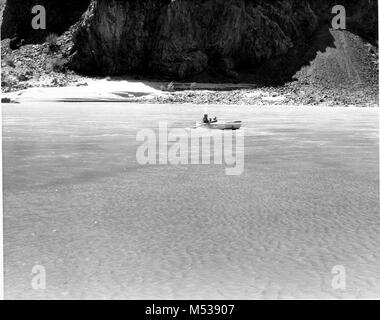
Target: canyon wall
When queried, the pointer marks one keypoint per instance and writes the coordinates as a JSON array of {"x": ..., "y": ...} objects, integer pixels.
[
  {"x": 256, "y": 40},
  {"x": 181, "y": 38}
]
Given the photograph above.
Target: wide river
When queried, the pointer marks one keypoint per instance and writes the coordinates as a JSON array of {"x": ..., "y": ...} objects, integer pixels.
[{"x": 79, "y": 206}]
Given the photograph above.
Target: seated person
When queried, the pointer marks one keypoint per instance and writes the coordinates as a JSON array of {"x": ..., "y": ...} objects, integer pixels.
[{"x": 205, "y": 119}]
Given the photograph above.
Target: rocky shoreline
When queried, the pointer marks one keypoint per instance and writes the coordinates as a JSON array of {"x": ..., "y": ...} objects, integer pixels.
[
  {"x": 290, "y": 94},
  {"x": 45, "y": 65}
]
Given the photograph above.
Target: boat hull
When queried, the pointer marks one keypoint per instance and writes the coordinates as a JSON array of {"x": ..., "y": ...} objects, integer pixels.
[{"x": 225, "y": 125}]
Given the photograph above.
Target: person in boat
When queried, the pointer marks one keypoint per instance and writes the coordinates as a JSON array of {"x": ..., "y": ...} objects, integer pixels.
[{"x": 205, "y": 119}]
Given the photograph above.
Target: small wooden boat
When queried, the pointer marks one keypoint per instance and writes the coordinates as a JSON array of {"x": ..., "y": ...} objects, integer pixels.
[{"x": 221, "y": 125}]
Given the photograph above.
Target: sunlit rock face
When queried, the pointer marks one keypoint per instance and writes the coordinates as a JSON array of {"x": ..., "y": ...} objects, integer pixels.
[{"x": 117, "y": 37}]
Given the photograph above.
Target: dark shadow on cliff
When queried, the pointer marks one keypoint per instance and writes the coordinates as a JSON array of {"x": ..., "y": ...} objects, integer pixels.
[
  {"x": 282, "y": 69},
  {"x": 323, "y": 61},
  {"x": 274, "y": 72}
]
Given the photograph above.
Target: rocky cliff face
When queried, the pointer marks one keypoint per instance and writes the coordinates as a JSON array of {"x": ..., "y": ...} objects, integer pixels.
[
  {"x": 263, "y": 40},
  {"x": 117, "y": 37},
  {"x": 239, "y": 39},
  {"x": 182, "y": 38}
]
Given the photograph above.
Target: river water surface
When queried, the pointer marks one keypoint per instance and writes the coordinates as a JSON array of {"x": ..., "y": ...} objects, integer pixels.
[{"x": 77, "y": 203}]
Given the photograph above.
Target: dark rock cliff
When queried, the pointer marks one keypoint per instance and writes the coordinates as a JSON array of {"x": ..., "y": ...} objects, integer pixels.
[
  {"x": 182, "y": 38},
  {"x": 237, "y": 39}
]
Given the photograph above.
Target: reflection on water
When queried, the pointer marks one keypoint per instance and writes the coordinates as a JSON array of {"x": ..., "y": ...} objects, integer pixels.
[{"x": 77, "y": 202}]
